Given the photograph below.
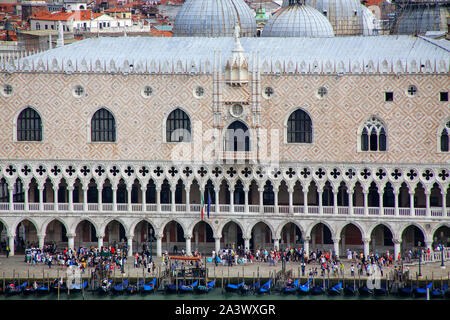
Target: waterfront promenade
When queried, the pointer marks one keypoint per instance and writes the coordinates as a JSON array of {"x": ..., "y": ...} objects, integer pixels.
[{"x": 15, "y": 267}]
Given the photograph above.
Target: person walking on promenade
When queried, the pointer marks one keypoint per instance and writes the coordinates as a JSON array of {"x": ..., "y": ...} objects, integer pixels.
[{"x": 7, "y": 251}]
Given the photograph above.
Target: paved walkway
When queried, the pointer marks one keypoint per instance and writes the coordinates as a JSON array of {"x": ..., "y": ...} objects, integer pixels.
[{"x": 15, "y": 267}]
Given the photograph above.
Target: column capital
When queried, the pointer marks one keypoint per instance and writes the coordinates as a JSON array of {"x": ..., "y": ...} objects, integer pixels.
[
  {"x": 11, "y": 234},
  {"x": 307, "y": 238},
  {"x": 219, "y": 237},
  {"x": 188, "y": 236},
  {"x": 70, "y": 187},
  {"x": 397, "y": 241},
  {"x": 101, "y": 235},
  {"x": 70, "y": 235},
  {"x": 336, "y": 239},
  {"x": 366, "y": 240},
  {"x": 41, "y": 235}
]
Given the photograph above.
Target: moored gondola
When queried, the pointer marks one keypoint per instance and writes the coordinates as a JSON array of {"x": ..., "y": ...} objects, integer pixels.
[
  {"x": 43, "y": 289},
  {"x": 422, "y": 292},
  {"x": 265, "y": 288},
  {"x": 105, "y": 287},
  {"x": 29, "y": 289},
  {"x": 405, "y": 291},
  {"x": 350, "y": 290},
  {"x": 365, "y": 291},
  {"x": 14, "y": 288},
  {"x": 134, "y": 288},
  {"x": 78, "y": 288},
  {"x": 303, "y": 289},
  {"x": 234, "y": 287},
  {"x": 438, "y": 292},
  {"x": 54, "y": 286},
  {"x": 290, "y": 287},
  {"x": 205, "y": 288},
  {"x": 149, "y": 287},
  {"x": 380, "y": 291},
  {"x": 188, "y": 288},
  {"x": 319, "y": 289},
  {"x": 120, "y": 288},
  {"x": 335, "y": 290}
]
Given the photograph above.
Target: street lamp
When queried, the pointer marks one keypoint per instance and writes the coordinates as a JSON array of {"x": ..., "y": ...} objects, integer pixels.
[{"x": 442, "y": 256}]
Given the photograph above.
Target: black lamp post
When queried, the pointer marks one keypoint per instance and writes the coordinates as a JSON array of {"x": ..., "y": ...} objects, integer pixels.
[{"x": 442, "y": 256}]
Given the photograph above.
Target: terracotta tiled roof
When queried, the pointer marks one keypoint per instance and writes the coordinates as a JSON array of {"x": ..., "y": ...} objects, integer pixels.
[{"x": 65, "y": 16}]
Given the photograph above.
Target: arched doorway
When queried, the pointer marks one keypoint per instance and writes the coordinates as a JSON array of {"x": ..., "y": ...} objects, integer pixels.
[
  {"x": 321, "y": 237},
  {"x": 291, "y": 236},
  {"x": 26, "y": 236},
  {"x": 232, "y": 236},
  {"x": 144, "y": 237},
  {"x": 412, "y": 238},
  {"x": 351, "y": 239},
  {"x": 173, "y": 237},
  {"x": 86, "y": 234},
  {"x": 203, "y": 238},
  {"x": 261, "y": 237},
  {"x": 56, "y": 234},
  {"x": 381, "y": 239},
  {"x": 441, "y": 236}
]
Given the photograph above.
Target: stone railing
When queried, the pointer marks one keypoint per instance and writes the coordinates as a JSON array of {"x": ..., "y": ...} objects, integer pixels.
[{"x": 295, "y": 210}]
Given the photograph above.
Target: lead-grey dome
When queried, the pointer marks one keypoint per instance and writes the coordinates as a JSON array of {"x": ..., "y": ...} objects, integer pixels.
[
  {"x": 298, "y": 20},
  {"x": 214, "y": 18},
  {"x": 346, "y": 16}
]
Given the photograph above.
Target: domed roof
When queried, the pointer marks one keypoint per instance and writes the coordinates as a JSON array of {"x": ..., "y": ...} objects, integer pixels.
[
  {"x": 297, "y": 20},
  {"x": 214, "y": 18},
  {"x": 346, "y": 16},
  {"x": 371, "y": 25}
]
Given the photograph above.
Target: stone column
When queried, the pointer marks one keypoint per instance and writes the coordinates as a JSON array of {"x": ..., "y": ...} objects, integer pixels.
[
  {"x": 217, "y": 199},
  {"x": 100, "y": 200},
  {"x": 172, "y": 202},
  {"x": 275, "y": 192},
  {"x": 188, "y": 198},
  {"x": 429, "y": 244},
  {"x": 231, "y": 200},
  {"x": 276, "y": 244},
  {"x": 291, "y": 200},
  {"x": 411, "y": 203},
  {"x": 396, "y": 195},
  {"x": 11, "y": 244},
  {"x": 70, "y": 189},
  {"x": 366, "y": 242},
  {"x": 41, "y": 238},
  {"x": 100, "y": 241},
  {"x": 320, "y": 192},
  {"x": 130, "y": 245},
  {"x": 350, "y": 201},
  {"x": 427, "y": 202},
  {"x": 114, "y": 197},
  {"x": 336, "y": 246},
  {"x": 41, "y": 197},
  {"x": 217, "y": 244},
  {"x": 246, "y": 190},
  {"x": 144, "y": 198},
  {"x": 11, "y": 196},
  {"x": 26, "y": 187},
  {"x": 335, "y": 201},
  {"x": 380, "y": 202},
  {"x": 305, "y": 200},
  {"x": 261, "y": 200},
  {"x": 188, "y": 245},
  {"x": 158, "y": 198},
  {"x": 85, "y": 197},
  {"x": 306, "y": 245},
  {"x": 397, "y": 243},
  {"x": 366, "y": 202},
  {"x": 246, "y": 243},
  {"x": 55, "y": 198},
  {"x": 444, "y": 202},
  {"x": 129, "y": 188},
  {"x": 158, "y": 245},
  {"x": 71, "y": 241}
]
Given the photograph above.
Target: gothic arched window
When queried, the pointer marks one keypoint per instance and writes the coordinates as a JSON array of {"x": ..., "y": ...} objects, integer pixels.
[
  {"x": 178, "y": 127},
  {"x": 29, "y": 126},
  {"x": 237, "y": 137},
  {"x": 103, "y": 126},
  {"x": 299, "y": 127},
  {"x": 373, "y": 136},
  {"x": 445, "y": 136}
]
